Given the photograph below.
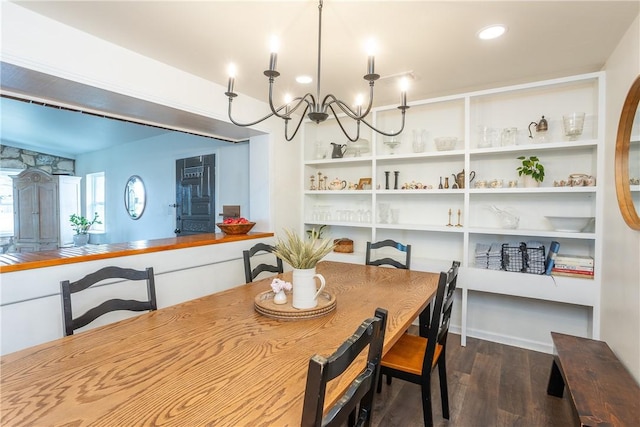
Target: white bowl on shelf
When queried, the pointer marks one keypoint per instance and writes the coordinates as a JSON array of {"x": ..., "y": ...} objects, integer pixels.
[
  {"x": 445, "y": 143},
  {"x": 569, "y": 224}
]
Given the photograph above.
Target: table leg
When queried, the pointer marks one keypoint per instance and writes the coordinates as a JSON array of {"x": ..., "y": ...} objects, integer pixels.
[{"x": 556, "y": 382}]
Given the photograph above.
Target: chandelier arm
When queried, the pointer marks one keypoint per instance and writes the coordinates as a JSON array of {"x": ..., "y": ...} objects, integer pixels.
[
  {"x": 286, "y": 125},
  {"x": 274, "y": 111},
  {"x": 387, "y": 133},
  {"x": 342, "y": 127},
  {"x": 247, "y": 124},
  {"x": 344, "y": 107},
  {"x": 308, "y": 98}
]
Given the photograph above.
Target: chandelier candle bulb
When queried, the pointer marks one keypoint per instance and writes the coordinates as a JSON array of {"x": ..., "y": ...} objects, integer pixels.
[
  {"x": 404, "y": 85},
  {"x": 230, "y": 86},
  {"x": 273, "y": 60},
  {"x": 231, "y": 70},
  {"x": 371, "y": 64}
]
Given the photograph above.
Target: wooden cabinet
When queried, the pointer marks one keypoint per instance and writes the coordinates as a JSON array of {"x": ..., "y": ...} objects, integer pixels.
[
  {"x": 42, "y": 206},
  {"x": 422, "y": 217}
]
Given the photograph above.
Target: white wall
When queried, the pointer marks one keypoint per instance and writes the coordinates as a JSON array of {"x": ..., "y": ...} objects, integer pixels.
[
  {"x": 620, "y": 309},
  {"x": 153, "y": 159}
]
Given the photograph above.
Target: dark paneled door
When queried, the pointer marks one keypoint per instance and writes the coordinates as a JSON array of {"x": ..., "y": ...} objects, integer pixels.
[{"x": 195, "y": 195}]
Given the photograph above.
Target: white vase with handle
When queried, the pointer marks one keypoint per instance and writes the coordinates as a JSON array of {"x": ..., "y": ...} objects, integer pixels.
[{"x": 305, "y": 289}]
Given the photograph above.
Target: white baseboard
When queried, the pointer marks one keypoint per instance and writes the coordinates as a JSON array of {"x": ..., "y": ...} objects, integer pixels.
[{"x": 542, "y": 347}]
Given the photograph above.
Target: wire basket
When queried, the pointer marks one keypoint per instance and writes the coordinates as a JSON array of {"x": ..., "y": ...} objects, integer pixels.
[{"x": 523, "y": 259}]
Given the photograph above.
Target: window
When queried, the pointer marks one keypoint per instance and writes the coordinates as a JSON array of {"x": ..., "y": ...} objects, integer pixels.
[
  {"x": 96, "y": 200},
  {"x": 6, "y": 201}
]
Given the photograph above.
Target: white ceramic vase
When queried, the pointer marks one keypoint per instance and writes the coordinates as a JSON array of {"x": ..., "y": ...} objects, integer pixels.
[
  {"x": 529, "y": 182},
  {"x": 305, "y": 290},
  {"x": 280, "y": 297}
]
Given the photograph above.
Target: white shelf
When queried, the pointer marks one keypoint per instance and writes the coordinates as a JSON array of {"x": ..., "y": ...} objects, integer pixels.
[
  {"x": 424, "y": 213},
  {"x": 562, "y": 289},
  {"x": 532, "y": 233}
]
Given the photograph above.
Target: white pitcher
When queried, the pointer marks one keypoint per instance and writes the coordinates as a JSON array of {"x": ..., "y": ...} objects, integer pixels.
[{"x": 305, "y": 293}]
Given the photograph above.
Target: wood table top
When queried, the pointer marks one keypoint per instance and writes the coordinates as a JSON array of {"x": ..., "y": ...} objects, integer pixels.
[{"x": 213, "y": 360}]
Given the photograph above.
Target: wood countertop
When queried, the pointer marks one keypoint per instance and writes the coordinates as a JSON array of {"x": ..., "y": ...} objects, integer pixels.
[{"x": 30, "y": 260}]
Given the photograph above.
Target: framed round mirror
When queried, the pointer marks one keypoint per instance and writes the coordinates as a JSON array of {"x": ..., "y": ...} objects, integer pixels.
[
  {"x": 627, "y": 168},
  {"x": 134, "y": 197}
]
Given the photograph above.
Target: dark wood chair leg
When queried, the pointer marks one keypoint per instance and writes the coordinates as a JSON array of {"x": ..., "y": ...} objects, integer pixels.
[
  {"x": 379, "y": 389},
  {"x": 427, "y": 411},
  {"x": 444, "y": 390},
  {"x": 555, "y": 387},
  {"x": 389, "y": 379}
]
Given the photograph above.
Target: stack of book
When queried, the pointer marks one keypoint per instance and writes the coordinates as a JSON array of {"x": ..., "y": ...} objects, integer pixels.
[{"x": 573, "y": 266}]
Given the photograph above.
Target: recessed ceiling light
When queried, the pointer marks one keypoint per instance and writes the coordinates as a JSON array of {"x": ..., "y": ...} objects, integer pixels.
[
  {"x": 304, "y": 79},
  {"x": 491, "y": 32}
]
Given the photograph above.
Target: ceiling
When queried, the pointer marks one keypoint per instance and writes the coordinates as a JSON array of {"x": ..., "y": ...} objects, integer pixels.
[{"x": 434, "y": 42}]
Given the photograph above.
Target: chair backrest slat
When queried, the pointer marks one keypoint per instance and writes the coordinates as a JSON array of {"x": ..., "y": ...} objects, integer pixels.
[
  {"x": 359, "y": 395},
  {"x": 251, "y": 273},
  {"x": 387, "y": 260},
  {"x": 115, "y": 304}
]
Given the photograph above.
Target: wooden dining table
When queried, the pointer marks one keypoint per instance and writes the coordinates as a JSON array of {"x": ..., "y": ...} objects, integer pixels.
[{"x": 210, "y": 361}]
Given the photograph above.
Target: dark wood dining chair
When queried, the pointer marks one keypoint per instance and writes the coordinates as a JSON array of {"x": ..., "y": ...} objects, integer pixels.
[
  {"x": 389, "y": 261},
  {"x": 251, "y": 273},
  {"x": 356, "y": 404},
  {"x": 412, "y": 358},
  {"x": 68, "y": 288}
]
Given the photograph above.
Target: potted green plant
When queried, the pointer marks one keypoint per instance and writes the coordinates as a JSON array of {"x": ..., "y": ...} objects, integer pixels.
[
  {"x": 81, "y": 226},
  {"x": 531, "y": 170}
]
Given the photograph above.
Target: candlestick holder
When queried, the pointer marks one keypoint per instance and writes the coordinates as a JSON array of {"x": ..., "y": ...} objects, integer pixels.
[
  {"x": 458, "y": 224},
  {"x": 449, "y": 224},
  {"x": 396, "y": 174},
  {"x": 313, "y": 185},
  {"x": 386, "y": 180}
]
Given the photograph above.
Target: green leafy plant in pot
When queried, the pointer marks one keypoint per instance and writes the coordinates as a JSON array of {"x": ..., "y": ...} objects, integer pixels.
[
  {"x": 532, "y": 169},
  {"x": 81, "y": 226}
]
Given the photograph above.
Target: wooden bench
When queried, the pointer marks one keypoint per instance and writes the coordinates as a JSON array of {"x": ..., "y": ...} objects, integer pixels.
[{"x": 602, "y": 391}]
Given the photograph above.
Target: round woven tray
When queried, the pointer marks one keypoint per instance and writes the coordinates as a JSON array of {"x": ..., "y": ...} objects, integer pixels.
[{"x": 264, "y": 305}]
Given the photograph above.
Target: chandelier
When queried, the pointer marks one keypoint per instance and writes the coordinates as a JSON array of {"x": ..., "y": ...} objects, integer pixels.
[{"x": 314, "y": 109}]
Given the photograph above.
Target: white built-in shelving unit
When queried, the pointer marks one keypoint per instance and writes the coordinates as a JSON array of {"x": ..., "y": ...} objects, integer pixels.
[{"x": 423, "y": 214}]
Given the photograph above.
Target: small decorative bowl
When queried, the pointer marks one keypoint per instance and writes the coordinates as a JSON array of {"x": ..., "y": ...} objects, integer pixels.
[
  {"x": 233, "y": 229},
  {"x": 446, "y": 143},
  {"x": 569, "y": 224}
]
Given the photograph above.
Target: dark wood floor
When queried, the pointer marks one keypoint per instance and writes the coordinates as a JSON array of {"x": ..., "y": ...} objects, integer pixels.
[{"x": 489, "y": 385}]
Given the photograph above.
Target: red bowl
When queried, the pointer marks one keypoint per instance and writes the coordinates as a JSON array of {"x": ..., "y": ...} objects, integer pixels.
[{"x": 236, "y": 228}]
